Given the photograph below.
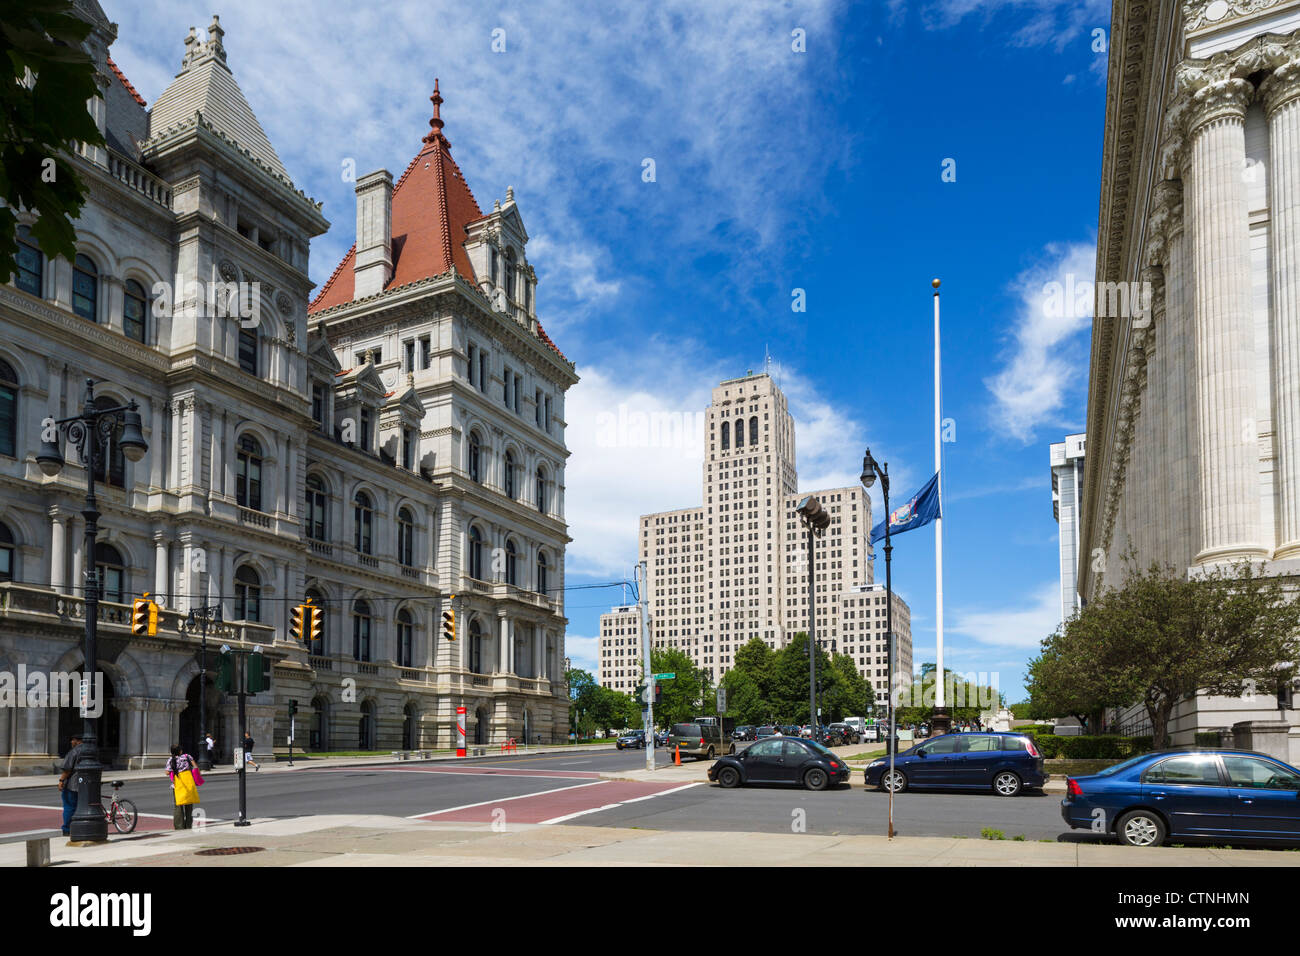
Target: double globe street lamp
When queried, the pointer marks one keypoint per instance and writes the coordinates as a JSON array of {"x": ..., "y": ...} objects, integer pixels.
[
  {"x": 816, "y": 520},
  {"x": 92, "y": 433},
  {"x": 871, "y": 470}
]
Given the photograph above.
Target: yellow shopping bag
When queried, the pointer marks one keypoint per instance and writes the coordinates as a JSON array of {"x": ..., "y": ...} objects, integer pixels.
[{"x": 184, "y": 789}]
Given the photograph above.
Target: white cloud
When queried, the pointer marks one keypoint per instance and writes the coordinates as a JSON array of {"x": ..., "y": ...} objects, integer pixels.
[
  {"x": 1055, "y": 23},
  {"x": 1023, "y": 627},
  {"x": 1047, "y": 365},
  {"x": 582, "y": 651}
]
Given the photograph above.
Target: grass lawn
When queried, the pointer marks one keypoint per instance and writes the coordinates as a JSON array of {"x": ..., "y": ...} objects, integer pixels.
[{"x": 863, "y": 757}]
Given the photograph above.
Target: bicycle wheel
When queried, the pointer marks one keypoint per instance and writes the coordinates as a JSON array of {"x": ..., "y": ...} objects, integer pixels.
[{"x": 124, "y": 816}]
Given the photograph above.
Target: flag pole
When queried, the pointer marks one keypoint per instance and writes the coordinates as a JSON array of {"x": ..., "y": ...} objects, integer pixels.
[{"x": 941, "y": 722}]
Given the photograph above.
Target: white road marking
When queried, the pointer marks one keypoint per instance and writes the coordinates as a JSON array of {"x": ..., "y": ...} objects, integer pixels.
[
  {"x": 485, "y": 803},
  {"x": 611, "y": 806}
]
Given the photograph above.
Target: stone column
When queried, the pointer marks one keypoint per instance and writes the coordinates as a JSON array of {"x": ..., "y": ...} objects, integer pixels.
[
  {"x": 77, "y": 586},
  {"x": 173, "y": 479},
  {"x": 1224, "y": 327},
  {"x": 503, "y": 646},
  {"x": 161, "y": 591},
  {"x": 58, "y": 557},
  {"x": 218, "y": 484},
  {"x": 1281, "y": 93},
  {"x": 157, "y": 446}
]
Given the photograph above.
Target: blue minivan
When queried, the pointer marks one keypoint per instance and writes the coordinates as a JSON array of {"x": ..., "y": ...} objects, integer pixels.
[
  {"x": 1191, "y": 794},
  {"x": 1004, "y": 763}
]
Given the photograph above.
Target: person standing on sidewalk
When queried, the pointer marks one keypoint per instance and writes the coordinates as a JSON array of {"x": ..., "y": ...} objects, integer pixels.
[
  {"x": 211, "y": 746},
  {"x": 67, "y": 785},
  {"x": 180, "y": 767},
  {"x": 249, "y": 743}
]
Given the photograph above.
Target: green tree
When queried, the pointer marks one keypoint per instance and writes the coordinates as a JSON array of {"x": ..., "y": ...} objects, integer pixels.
[
  {"x": 849, "y": 694},
  {"x": 744, "y": 700},
  {"x": 43, "y": 119},
  {"x": 1164, "y": 637}
]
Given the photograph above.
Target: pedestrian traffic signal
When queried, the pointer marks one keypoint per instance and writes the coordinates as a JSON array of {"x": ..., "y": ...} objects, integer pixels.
[
  {"x": 226, "y": 673},
  {"x": 659, "y": 693},
  {"x": 144, "y": 617},
  {"x": 449, "y": 623},
  {"x": 639, "y": 695},
  {"x": 259, "y": 673}
]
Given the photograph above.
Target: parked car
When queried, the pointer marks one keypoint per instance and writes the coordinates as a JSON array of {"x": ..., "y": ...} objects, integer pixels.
[
  {"x": 788, "y": 760},
  {"x": 701, "y": 741},
  {"x": 1005, "y": 763},
  {"x": 744, "y": 733},
  {"x": 661, "y": 738},
  {"x": 1189, "y": 794},
  {"x": 765, "y": 731},
  {"x": 632, "y": 739},
  {"x": 847, "y": 733}
]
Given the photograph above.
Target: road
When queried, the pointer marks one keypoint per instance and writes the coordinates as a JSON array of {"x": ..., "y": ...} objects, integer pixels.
[{"x": 566, "y": 787}]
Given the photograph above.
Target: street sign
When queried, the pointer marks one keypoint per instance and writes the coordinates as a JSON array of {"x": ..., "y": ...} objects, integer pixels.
[
  {"x": 722, "y": 700},
  {"x": 665, "y": 676}
]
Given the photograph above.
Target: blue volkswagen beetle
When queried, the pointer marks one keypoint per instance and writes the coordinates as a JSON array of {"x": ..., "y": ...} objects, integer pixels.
[
  {"x": 1189, "y": 794},
  {"x": 1001, "y": 762}
]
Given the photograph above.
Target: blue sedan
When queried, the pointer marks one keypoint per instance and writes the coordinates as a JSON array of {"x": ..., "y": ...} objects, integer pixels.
[
  {"x": 1004, "y": 763},
  {"x": 1189, "y": 794}
]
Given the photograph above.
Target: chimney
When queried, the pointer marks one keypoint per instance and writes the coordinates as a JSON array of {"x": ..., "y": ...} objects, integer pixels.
[{"x": 374, "y": 261}]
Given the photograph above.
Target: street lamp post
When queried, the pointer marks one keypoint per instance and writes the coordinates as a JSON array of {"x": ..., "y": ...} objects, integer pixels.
[
  {"x": 91, "y": 433},
  {"x": 202, "y": 617},
  {"x": 815, "y": 520},
  {"x": 870, "y": 470}
]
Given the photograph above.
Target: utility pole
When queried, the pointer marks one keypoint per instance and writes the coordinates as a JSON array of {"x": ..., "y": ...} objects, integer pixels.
[{"x": 647, "y": 705}]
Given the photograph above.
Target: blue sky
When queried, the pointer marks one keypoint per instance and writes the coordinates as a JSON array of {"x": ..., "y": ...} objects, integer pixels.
[{"x": 775, "y": 170}]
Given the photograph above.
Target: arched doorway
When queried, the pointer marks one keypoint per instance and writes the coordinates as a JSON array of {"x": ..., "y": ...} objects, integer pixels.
[
  {"x": 481, "y": 725},
  {"x": 320, "y": 734},
  {"x": 366, "y": 727},
  {"x": 108, "y": 726},
  {"x": 192, "y": 725},
  {"x": 410, "y": 720}
]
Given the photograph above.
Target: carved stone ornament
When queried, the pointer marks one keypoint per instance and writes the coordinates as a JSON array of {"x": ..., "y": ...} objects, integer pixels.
[
  {"x": 284, "y": 303},
  {"x": 227, "y": 270},
  {"x": 1204, "y": 13}
]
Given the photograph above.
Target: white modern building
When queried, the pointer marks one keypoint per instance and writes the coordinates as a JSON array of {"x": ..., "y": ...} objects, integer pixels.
[
  {"x": 1194, "y": 394},
  {"x": 363, "y": 455},
  {"x": 736, "y": 567},
  {"x": 1067, "y": 487}
]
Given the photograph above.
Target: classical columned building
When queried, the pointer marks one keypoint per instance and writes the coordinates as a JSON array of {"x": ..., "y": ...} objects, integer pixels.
[{"x": 1194, "y": 393}]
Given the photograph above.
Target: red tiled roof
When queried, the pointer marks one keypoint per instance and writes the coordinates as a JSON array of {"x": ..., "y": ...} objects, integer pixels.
[
  {"x": 125, "y": 82},
  {"x": 432, "y": 204}
]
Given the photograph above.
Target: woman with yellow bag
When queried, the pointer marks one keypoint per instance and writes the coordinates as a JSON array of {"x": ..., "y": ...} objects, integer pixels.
[{"x": 182, "y": 770}]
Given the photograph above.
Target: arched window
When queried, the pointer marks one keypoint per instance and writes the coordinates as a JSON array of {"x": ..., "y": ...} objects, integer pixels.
[
  {"x": 405, "y": 538},
  {"x": 405, "y": 638},
  {"x": 363, "y": 518},
  {"x": 360, "y": 630},
  {"x": 475, "y": 456},
  {"x": 134, "y": 308},
  {"x": 31, "y": 264},
  {"x": 541, "y": 491},
  {"x": 528, "y": 294},
  {"x": 8, "y": 410},
  {"x": 475, "y": 554},
  {"x": 542, "y": 583},
  {"x": 322, "y": 611},
  {"x": 494, "y": 268},
  {"x": 109, "y": 460},
  {"x": 317, "y": 508},
  {"x": 112, "y": 573},
  {"x": 510, "y": 475},
  {"x": 248, "y": 477},
  {"x": 248, "y": 595},
  {"x": 6, "y": 554},
  {"x": 740, "y": 433},
  {"x": 85, "y": 288},
  {"x": 512, "y": 563},
  {"x": 248, "y": 350},
  {"x": 475, "y": 647},
  {"x": 753, "y": 430},
  {"x": 726, "y": 436}
]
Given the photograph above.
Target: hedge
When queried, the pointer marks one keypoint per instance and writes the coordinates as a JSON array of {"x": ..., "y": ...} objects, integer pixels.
[
  {"x": 1035, "y": 729},
  {"x": 1107, "y": 747}
]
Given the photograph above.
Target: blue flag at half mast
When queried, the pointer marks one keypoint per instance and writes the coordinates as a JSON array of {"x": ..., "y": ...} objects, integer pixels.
[{"x": 920, "y": 510}]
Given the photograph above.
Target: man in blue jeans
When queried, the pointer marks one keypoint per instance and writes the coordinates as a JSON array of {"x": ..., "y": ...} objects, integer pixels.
[{"x": 68, "y": 786}]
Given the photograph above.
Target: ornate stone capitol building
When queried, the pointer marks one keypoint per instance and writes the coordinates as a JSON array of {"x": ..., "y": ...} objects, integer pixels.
[
  {"x": 391, "y": 448},
  {"x": 1194, "y": 404}
]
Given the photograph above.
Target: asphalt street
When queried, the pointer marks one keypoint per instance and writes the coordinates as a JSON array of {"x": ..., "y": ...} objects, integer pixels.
[{"x": 565, "y": 787}]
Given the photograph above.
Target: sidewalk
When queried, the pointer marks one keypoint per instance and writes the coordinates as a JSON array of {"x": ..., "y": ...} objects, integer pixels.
[
  {"x": 366, "y": 841},
  {"x": 300, "y": 763}
]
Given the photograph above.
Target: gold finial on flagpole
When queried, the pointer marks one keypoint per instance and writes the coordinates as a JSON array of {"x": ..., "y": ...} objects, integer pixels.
[{"x": 935, "y": 283}]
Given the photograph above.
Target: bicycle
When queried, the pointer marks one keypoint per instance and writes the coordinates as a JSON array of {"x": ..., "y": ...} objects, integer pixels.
[{"x": 120, "y": 812}]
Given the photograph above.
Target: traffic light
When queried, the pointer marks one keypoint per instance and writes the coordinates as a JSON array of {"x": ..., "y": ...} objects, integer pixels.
[
  {"x": 305, "y": 623},
  {"x": 639, "y": 695},
  {"x": 144, "y": 617},
  {"x": 259, "y": 673},
  {"x": 315, "y": 629},
  {"x": 449, "y": 621},
  {"x": 659, "y": 693},
  {"x": 226, "y": 673},
  {"x": 296, "y": 615},
  {"x": 293, "y": 708}
]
